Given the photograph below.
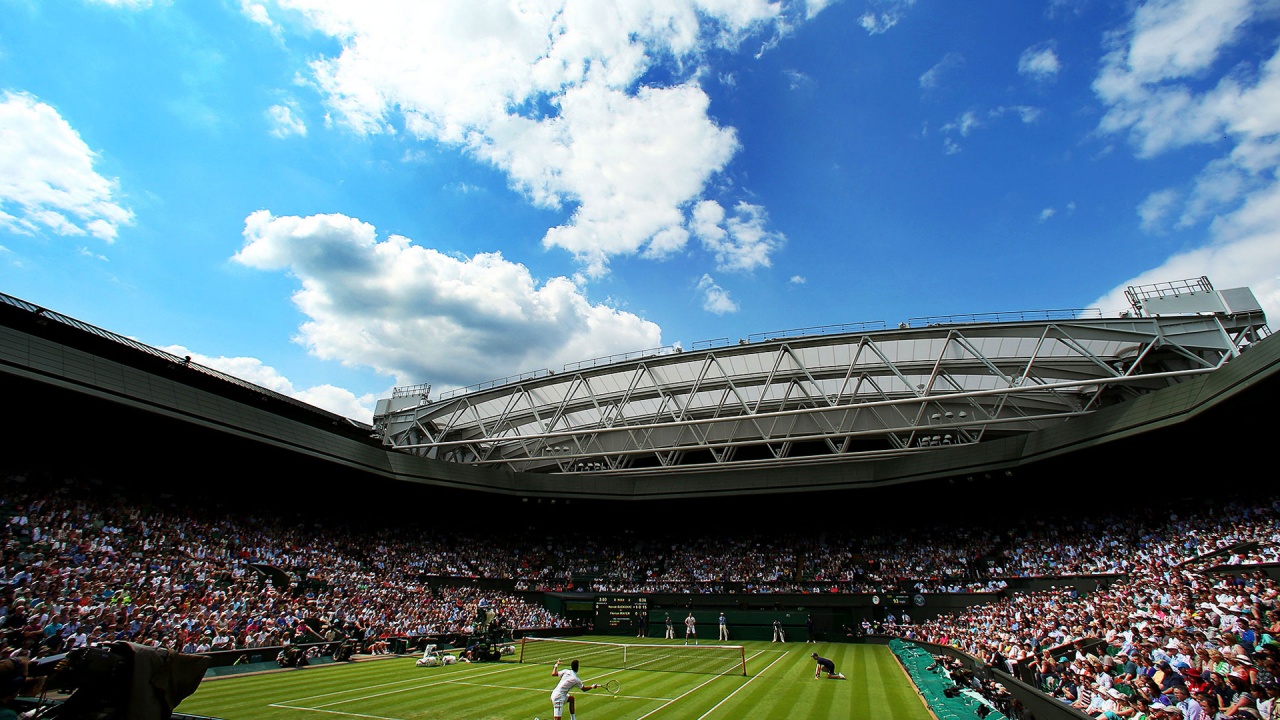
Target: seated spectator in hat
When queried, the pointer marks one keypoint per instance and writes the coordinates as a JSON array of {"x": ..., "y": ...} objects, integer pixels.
[
  {"x": 1242, "y": 670},
  {"x": 1195, "y": 681}
]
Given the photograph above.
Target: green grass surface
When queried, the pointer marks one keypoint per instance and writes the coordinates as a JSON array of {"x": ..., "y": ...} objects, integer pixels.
[{"x": 780, "y": 684}]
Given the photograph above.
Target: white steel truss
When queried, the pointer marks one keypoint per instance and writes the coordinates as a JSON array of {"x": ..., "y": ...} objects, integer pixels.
[{"x": 830, "y": 398}]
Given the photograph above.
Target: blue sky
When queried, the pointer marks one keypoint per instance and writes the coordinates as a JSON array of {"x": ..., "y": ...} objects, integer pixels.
[{"x": 332, "y": 198}]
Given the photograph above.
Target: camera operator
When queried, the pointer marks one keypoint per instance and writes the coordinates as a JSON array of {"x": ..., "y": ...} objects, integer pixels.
[
  {"x": 13, "y": 675},
  {"x": 14, "y": 681}
]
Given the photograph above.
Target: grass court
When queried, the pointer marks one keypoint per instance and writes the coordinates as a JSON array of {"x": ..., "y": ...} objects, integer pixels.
[{"x": 779, "y": 684}]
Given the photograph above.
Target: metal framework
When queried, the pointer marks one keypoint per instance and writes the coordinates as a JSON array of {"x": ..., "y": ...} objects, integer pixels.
[{"x": 844, "y": 397}]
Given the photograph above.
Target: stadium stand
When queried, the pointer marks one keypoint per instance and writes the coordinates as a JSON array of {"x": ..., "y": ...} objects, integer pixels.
[{"x": 1099, "y": 579}]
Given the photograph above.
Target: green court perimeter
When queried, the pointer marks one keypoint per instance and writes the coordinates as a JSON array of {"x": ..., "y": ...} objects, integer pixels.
[{"x": 779, "y": 684}]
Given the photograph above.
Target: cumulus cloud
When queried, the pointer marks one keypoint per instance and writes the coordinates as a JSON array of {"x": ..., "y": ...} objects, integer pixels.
[
  {"x": 1243, "y": 251},
  {"x": 798, "y": 280},
  {"x": 1146, "y": 79},
  {"x": 552, "y": 95},
  {"x": 715, "y": 299},
  {"x": 1040, "y": 63},
  {"x": 423, "y": 316},
  {"x": 284, "y": 123},
  {"x": 47, "y": 179},
  {"x": 1167, "y": 82},
  {"x": 334, "y": 399},
  {"x": 740, "y": 242},
  {"x": 1047, "y": 213}
]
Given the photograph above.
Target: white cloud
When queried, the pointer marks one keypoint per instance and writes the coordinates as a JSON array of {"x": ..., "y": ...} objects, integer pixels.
[
  {"x": 741, "y": 242},
  {"x": 47, "y": 180},
  {"x": 1040, "y": 63},
  {"x": 884, "y": 15},
  {"x": 964, "y": 124},
  {"x": 798, "y": 280},
  {"x": 972, "y": 120},
  {"x": 284, "y": 123},
  {"x": 1155, "y": 209},
  {"x": 552, "y": 95},
  {"x": 1167, "y": 83},
  {"x": 423, "y": 316},
  {"x": 934, "y": 76},
  {"x": 128, "y": 4},
  {"x": 813, "y": 7},
  {"x": 257, "y": 12},
  {"x": 1145, "y": 80},
  {"x": 334, "y": 399},
  {"x": 1243, "y": 251},
  {"x": 715, "y": 299},
  {"x": 797, "y": 80},
  {"x": 1028, "y": 114},
  {"x": 1047, "y": 213}
]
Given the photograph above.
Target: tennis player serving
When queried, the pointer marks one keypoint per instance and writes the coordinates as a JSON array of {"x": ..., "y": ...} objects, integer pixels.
[{"x": 568, "y": 681}]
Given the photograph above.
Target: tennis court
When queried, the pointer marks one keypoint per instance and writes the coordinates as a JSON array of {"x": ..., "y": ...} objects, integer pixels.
[{"x": 779, "y": 683}]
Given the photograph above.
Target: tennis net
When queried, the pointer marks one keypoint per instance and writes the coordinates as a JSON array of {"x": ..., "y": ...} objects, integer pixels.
[{"x": 708, "y": 659}]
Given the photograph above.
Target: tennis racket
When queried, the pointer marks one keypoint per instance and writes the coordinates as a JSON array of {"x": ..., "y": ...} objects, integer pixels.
[{"x": 612, "y": 686}]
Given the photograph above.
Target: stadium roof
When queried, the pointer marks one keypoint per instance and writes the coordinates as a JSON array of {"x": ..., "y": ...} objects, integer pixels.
[
  {"x": 840, "y": 397},
  {"x": 948, "y": 399}
]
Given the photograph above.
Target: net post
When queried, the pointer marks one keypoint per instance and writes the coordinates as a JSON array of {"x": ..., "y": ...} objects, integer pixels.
[
  {"x": 522, "y": 649},
  {"x": 743, "y": 650}
]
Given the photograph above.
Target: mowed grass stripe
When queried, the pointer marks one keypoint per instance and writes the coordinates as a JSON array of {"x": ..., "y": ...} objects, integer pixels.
[
  {"x": 891, "y": 688},
  {"x": 397, "y": 690}
]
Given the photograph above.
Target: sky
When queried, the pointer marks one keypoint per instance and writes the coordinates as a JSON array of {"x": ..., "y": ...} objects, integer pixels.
[{"x": 334, "y": 198}]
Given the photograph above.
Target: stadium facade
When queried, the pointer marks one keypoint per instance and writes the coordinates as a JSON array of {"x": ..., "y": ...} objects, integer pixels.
[{"x": 819, "y": 409}]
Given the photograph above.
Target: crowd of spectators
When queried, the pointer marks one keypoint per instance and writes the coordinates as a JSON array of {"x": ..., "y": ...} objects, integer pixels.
[
  {"x": 1167, "y": 640},
  {"x": 82, "y": 567},
  {"x": 85, "y": 563}
]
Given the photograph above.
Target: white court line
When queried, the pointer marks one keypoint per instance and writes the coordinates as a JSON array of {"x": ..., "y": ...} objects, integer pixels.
[
  {"x": 344, "y": 692},
  {"x": 331, "y": 712},
  {"x": 544, "y": 690},
  {"x": 699, "y": 687},
  {"x": 415, "y": 687},
  {"x": 735, "y": 692},
  {"x": 348, "y": 691}
]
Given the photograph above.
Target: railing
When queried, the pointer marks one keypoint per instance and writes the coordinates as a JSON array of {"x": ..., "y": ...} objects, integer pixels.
[
  {"x": 713, "y": 343},
  {"x": 1136, "y": 293},
  {"x": 531, "y": 375},
  {"x": 46, "y": 315},
  {"x": 421, "y": 391},
  {"x": 997, "y": 317},
  {"x": 623, "y": 357},
  {"x": 841, "y": 329}
]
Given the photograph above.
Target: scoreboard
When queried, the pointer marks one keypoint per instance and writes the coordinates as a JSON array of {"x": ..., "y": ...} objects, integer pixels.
[{"x": 618, "y": 614}]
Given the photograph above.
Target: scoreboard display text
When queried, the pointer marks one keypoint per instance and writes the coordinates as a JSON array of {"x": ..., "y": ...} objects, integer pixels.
[{"x": 618, "y": 614}]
